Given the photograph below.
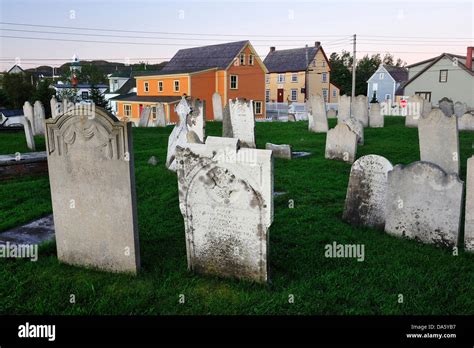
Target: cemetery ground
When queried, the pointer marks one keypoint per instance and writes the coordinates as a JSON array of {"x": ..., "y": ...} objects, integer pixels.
[{"x": 431, "y": 279}]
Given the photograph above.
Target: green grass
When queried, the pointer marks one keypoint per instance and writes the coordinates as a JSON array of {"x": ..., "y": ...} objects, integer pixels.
[{"x": 431, "y": 280}]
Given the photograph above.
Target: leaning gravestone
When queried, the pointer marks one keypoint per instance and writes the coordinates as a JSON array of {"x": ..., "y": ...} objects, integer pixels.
[
  {"x": 196, "y": 120},
  {"x": 226, "y": 199},
  {"x": 365, "y": 198},
  {"x": 226, "y": 123},
  {"x": 144, "y": 117},
  {"x": 217, "y": 106},
  {"x": 160, "y": 120},
  {"x": 29, "y": 114},
  {"x": 30, "y": 140},
  {"x": 439, "y": 140},
  {"x": 91, "y": 174},
  {"x": 39, "y": 117},
  {"x": 417, "y": 107},
  {"x": 344, "y": 108},
  {"x": 318, "y": 122},
  {"x": 360, "y": 110},
  {"x": 424, "y": 203},
  {"x": 243, "y": 122},
  {"x": 447, "y": 106},
  {"x": 469, "y": 223},
  {"x": 357, "y": 127},
  {"x": 466, "y": 122},
  {"x": 341, "y": 143},
  {"x": 280, "y": 151},
  {"x": 332, "y": 113},
  {"x": 460, "y": 109},
  {"x": 376, "y": 119}
]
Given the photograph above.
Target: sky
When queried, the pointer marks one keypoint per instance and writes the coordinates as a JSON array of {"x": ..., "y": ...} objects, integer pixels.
[{"x": 145, "y": 30}]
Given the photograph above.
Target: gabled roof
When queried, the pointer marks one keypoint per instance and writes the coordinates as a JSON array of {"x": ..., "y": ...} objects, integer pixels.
[
  {"x": 398, "y": 73},
  {"x": 205, "y": 57},
  {"x": 290, "y": 60},
  {"x": 15, "y": 66},
  {"x": 126, "y": 87}
]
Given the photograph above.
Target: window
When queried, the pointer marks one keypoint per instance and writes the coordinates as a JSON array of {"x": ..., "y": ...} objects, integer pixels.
[
  {"x": 294, "y": 77},
  {"x": 127, "y": 110},
  {"x": 115, "y": 85},
  {"x": 146, "y": 86},
  {"x": 381, "y": 76},
  {"x": 85, "y": 95},
  {"x": 388, "y": 97},
  {"x": 160, "y": 86},
  {"x": 153, "y": 112},
  {"x": 281, "y": 78},
  {"x": 375, "y": 87},
  {"x": 443, "y": 76},
  {"x": 323, "y": 64},
  {"x": 424, "y": 95},
  {"x": 325, "y": 94},
  {"x": 325, "y": 77},
  {"x": 242, "y": 59},
  {"x": 176, "y": 85},
  {"x": 267, "y": 79},
  {"x": 257, "y": 107},
  {"x": 313, "y": 63},
  {"x": 334, "y": 93},
  {"x": 250, "y": 59},
  {"x": 267, "y": 95},
  {"x": 294, "y": 95},
  {"x": 234, "y": 82}
]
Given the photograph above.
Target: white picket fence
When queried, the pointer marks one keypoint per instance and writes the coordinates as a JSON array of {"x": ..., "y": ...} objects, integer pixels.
[{"x": 279, "y": 111}]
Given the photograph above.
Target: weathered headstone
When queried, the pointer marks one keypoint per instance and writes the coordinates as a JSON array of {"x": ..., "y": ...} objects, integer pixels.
[
  {"x": 360, "y": 110},
  {"x": 469, "y": 223},
  {"x": 376, "y": 118},
  {"x": 226, "y": 122},
  {"x": 447, "y": 106},
  {"x": 196, "y": 120},
  {"x": 341, "y": 143},
  {"x": 424, "y": 203},
  {"x": 318, "y": 122},
  {"x": 344, "y": 108},
  {"x": 217, "y": 107},
  {"x": 366, "y": 192},
  {"x": 226, "y": 199},
  {"x": 332, "y": 113},
  {"x": 439, "y": 140},
  {"x": 243, "y": 122},
  {"x": 460, "y": 108},
  {"x": 144, "y": 117},
  {"x": 160, "y": 120},
  {"x": 417, "y": 107},
  {"x": 91, "y": 174},
  {"x": 54, "y": 107},
  {"x": 357, "y": 127},
  {"x": 280, "y": 151},
  {"x": 291, "y": 118},
  {"x": 30, "y": 140},
  {"x": 29, "y": 114},
  {"x": 39, "y": 117},
  {"x": 466, "y": 122}
]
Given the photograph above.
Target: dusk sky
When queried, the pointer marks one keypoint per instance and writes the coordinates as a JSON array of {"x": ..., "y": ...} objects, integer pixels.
[{"x": 154, "y": 30}]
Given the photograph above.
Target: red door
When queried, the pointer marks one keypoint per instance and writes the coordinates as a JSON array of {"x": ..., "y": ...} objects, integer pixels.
[
  {"x": 280, "y": 95},
  {"x": 140, "y": 109}
]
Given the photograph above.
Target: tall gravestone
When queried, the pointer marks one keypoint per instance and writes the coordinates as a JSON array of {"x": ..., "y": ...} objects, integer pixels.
[
  {"x": 30, "y": 140},
  {"x": 466, "y": 122},
  {"x": 144, "y": 117},
  {"x": 38, "y": 117},
  {"x": 226, "y": 123},
  {"x": 447, "y": 106},
  {"x": 332, "y": 113},
  {"x": 29, "y": 114},
  {"x": 376, "y": 118},
  {"x": 197, "y": 120},
  {"x": 344, "y": 108},
  {"x": 318, "y": 122},
  {"x": 243, "y": 122},
  {"x": 91, "y": 174},
  {"x": 357, "y": 127},
  {"x": 439, "y": 140},
  {"x": 226, "y": 199},
  {"x": 424, "y": 203},
  {"x": 160, "y": 120},
  {"x": 460, "y": 108},
  {"x": 341, "y": 143},
  {"x": 366, "y": 192},
  {"x": 469, "y": 223},
  {"x": 360, "y": 110},
  {"x": 418, "y": 107},
  {"x": 217, "y": 107},
  {"x": 54, "y": 107}
]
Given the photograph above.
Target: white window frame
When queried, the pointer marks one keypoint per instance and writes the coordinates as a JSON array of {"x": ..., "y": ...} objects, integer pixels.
[
  {"x": 255, "y": 103},
  {"x": 267, "y": 79},
  {"x": 174, "y": 86},
  {"x": 334, "y": 93},
  {"x": 381, "y": 76},
  {"x": 242, "y": 59},
  {"x": 324, "y": 77},
  {"x": 295, "y": 96},
  {"x": 281, "y": 78},
  {"x": 267, "y": 95},
  {"x": 146, "y": 86},
  {"x": 236, "y": 81},
  {"x": 160, "y": 86},
  {"x": 294, "y": 77},
  {"x": 375, "y": 86},
  {"x": 325, "y": 94},
  {"x": 251, "y": 59},
  {"x": 153, "y": 112},
  {"x": 446, "y": 76},
  {"x": 127, "y": 110}
]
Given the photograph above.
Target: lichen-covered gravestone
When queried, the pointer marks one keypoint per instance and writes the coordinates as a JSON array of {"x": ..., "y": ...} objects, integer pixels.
[
  {"x": 360, "y": 110},
  {"x": 318, "y": 122},
  {"x": 424, "y": 203},
  {"x": 469, "y": 223},
  {"x": 196, "y": 120},
  {"x": 226, "y": 122},
  {"x": 466, "y": 122},
  {"x": 366, "y": 192},
  {"x": 447, "y": 106},
  {"x": 357, "y": 127},
  {"x": 226, "y": 199},
  {"x": 439, "y": 140},
  {"x": 341, "y": 143},
  {"x": 376, "y": 118},
  {"x": 417, "y": 107},
  {"x": 91, "y": 174},
  {"x": 217, "y": 106},
  {"x": 460, "y": 108},
  {"x": 344, "y": 108},
  {"x": 243, "y": 122}
]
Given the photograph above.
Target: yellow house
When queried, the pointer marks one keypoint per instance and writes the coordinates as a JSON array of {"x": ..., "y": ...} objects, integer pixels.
[{"x": 295, "y": 74}]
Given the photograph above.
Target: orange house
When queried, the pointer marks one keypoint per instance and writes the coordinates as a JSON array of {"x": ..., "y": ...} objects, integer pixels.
[{"x": 233, "y": 70}]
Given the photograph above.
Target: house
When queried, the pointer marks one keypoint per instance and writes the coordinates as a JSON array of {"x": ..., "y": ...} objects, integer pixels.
[
  {"x": 233, "y": 70},
  {"x": 121, "y": 83},
  {"x": 447, "y": 75},
  {"x": 16, "y": 69},
  {"x": 387, "y": 83},
  {"x": 295, "y": 74},
  {"x": 334, "y": 93},
  {"x": 80, "y": 91},
  {"x": 10, "y": 118}
]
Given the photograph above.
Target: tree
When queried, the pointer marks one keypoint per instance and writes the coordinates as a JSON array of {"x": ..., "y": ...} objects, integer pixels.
[
  {"x": 43, "y": 93},
  {"x": 98, "y": 98},
  {"x": 91, "y": 74},
  {"x": 18, "y": 89},
  {"x": 341, "y": 71}
]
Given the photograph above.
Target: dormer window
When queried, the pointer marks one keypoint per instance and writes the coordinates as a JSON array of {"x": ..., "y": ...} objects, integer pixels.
[{"x": 242, "y": 59}]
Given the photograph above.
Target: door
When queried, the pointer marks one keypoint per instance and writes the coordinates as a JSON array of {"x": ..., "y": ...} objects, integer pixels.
[
  {"x": 140, "y": 109},
  {"x": 280, "y": 95}
]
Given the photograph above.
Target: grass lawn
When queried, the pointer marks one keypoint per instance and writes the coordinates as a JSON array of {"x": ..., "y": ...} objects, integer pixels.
[{"x": 431, "y": 280}]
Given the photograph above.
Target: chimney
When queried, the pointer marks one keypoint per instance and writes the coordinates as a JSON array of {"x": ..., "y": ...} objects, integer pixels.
[
  {"x": 317, "y": 43},
  {"x": 469, "y": 57},
  {"x": 272, "y": 49}
]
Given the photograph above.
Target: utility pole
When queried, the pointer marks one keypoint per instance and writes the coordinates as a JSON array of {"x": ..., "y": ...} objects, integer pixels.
[{"x": 354, "y": 64}]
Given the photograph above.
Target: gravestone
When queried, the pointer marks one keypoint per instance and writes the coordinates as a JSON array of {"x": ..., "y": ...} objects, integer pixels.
[
  {"x": 332, "y": 113},
  {"x": 365, "y": 198},
  {"x": 243, "y": 122},
  {"x": 226, "y": 122},
  {"x": 424, "y": 203},
  {"x": 469, "y": 223},
  {"x": 360, "y": 110},
  {"x": 417, "y": 107},
  {"x": 39, "y": 117},
  {"x": 439, "y": 142},
  {"x": 376, "y": 119},
  {"x": 160, "y": 120},
  {"x": 291, "y": 118},
  {"x": 344, "y": 108},
  {"x": 226, "y": 199},
  {"x": 30, "y": 140},
  {"x": 91, "y": 174},
  {"x": 55, "y": 112},
  {"x": 447, "y": 106},
  {"x": 466, "y": 122},
  {"x": 460, "y": 108},
  {"x": 280, "y": 151},
  {"x": 357, "y": 127},
  {"x": 341, "y": 143},
  {"x": 217, "y": 107},
  {"x": 29, "y": 114},
  {"x": 144, "y": 117},
  {"x": 196, "y": 120},
  {"x": 318, "y": 122}
]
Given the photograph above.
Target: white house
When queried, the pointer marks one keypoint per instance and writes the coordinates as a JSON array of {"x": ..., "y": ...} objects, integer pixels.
[
  {"x": 120, "y": 83},
  {"x": 448, "y": 75},
  {"x": 82, "y": 91},
  {"x": 385, "y": 82}
]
